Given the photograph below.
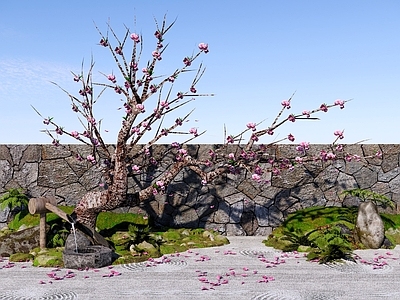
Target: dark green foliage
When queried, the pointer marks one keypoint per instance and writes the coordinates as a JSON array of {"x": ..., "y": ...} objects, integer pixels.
[
  {"x": 58, "y": 233},
  {"x": 14, "y": 198},
  {"x": 141, "y": 233},
  {"x": 330, "y": 245},
  {"x": 16, "y": 201},
  {"x": 297, "y": 238}
]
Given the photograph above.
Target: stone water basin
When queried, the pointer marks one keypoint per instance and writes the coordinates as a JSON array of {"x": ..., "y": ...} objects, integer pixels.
[{"x": 89, "y": 257}]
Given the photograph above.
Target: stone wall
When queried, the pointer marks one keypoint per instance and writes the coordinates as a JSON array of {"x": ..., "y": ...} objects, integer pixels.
[{"x": 232, "y": 204}]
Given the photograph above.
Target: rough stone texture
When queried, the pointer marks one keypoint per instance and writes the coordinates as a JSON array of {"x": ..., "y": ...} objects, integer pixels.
[
  {"x": 82, "y": 241},
  {"x": 90, "y": 257},
  {"x": 233, "y": 204},
  {"x": 369, "y": 226},
  {"x": 22, "y": 241}
]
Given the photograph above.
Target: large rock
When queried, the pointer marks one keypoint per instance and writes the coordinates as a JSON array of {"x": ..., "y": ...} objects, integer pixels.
[
  {"x": 369, "y": 227},
  {"x": 79, "y": 240},
  {"x": 22, "y": 241}
]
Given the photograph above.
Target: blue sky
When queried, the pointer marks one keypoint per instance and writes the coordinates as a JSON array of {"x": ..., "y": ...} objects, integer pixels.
[{"x": 260, "y": 53}]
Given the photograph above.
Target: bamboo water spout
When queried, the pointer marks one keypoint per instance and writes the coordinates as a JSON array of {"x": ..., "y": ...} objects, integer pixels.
[{"x": 42, "y": 206}]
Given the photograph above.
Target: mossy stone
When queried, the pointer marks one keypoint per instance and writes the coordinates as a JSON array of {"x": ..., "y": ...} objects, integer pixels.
[{"x": 21, "y": 257}]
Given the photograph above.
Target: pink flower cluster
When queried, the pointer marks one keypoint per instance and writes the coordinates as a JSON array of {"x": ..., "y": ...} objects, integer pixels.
[{"x": 203, "y": 47}]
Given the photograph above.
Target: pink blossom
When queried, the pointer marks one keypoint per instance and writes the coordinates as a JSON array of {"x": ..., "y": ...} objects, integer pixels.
[
  {"x": 340, "y": 103},
  {"x": 323, "y": 107},
  {"x": 118, "y": 90},
  {"x": 118, "y": 50},
  {"x": 193, "y": 89},
  {"x": 306, "y": 113},
  {"x": 356, "y": 157},
  {"x": 379, "y": 154},
  {"x": 104, "y": 42},
  {"x": 182, "y": 151},
  {"x": 299, "y": 160},
  {"x": 292, "y": 118},
  {"x": 91, "y": 120},
  {"x": 135, "y": 168},
  {"x": 56, "y": 143},
  {"x": 111, "y": 77},
  {"x": 145, "y": 124},
  {"x": 203, "y": 47},
  {"x": 134, "y": 66},
  {"x": 258, "y": 170},
  {"x": 231, "y": 156},
  {"x": 158, "y": 35},
  {"x": 291, "y": 137},
  {"x": 256, "y": 177},
  {"x": 128, "y": 109},
  {"x": 339, "y": 148},
  {"x": 140, "y": 108},
  {"x": 303, "y": 146},
  {"x": 276, "y": 171},
  {"x": 187, "y": 61},
  {"x": 160, "y": 184},
  {"x": 156, "y": 55},
  {"x": 164, "y": 132},
  {"x": 286, "y": 103},
  {"x": 339, "y": 134},
  {"x": 270, "y": 131},
  {"x": 330, "y": 156},
  {"x": 254, "y": 137},
  {"x": 230, "y": 139},
  {"x": 211, "y": 153},
  {"x": 193, "y": 131},
  {"x": 348, "y": 157},
  {"x": 175, "y": 145},
  {"x": 91, "y": 159},
  {"x": 135, "y": 129},
  {"x": 47, "y": 121},
  {"x": 251, "y": 126},
  {"x": 77, "y": 78},
  {"x": 178, "y": 121},
  {"x": 135, "y": 37},
  {"x": 153, "y": 88},
  {"x": 75, "y": 134},
  {"x": 164, "y": 104},
  {"x": 171, "y": 79},
  {"x": 179, "y": 95},
  {"x": 59, "y": 130}
]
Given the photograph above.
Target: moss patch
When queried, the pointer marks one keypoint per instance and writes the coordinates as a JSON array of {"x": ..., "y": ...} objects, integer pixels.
[{"x": 21, "y": 257}]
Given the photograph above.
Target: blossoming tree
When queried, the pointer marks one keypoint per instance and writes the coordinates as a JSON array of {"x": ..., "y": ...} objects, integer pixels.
[{"x": 138, "y": 84}]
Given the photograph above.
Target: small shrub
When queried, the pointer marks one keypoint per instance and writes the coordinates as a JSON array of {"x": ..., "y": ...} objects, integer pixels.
[
  {"x": 330, "y": 245},
  {"x": 367, "y": 195},
  {"x": 16, "y": 201}
]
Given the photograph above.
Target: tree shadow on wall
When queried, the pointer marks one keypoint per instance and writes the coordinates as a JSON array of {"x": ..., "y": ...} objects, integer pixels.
[{"x": 186, "y": 203}]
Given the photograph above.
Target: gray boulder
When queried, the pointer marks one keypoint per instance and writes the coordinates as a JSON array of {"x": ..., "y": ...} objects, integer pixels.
[
  {"x": 369, "y": 226},
  {"x": 22, "y": 241},
  {"x": 82, "y": 241}
]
